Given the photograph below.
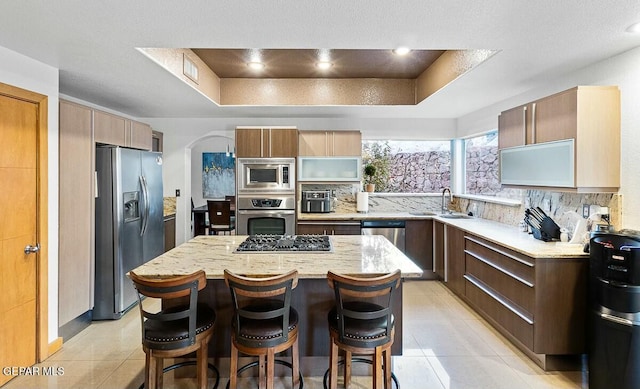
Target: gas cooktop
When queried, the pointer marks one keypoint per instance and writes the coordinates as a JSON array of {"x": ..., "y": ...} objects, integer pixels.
[{"x": 285, "y": 243}]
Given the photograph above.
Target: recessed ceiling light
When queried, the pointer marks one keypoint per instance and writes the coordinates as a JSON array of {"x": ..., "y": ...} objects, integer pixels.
[
  {"x": 256, "y": 65},
  {"x": 324, "y": 65},
  {"x": 634, "y": 28},
  {"x": 401, "y": 51}
]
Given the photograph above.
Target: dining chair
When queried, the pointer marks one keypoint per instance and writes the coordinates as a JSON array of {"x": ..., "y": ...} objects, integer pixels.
[{"x": 220, "y": 219}]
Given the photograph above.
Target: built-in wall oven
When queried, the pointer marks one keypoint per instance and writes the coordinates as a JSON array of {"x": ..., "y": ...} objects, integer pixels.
[
  {"x": 265, "y": 214},
  {"x": 266, "y": 175}
]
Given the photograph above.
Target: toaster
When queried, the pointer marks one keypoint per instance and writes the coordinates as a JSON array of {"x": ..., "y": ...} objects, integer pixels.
[{"x": 316, "y": 201}]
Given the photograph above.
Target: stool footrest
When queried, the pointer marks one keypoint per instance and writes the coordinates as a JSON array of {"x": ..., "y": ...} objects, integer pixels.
[
  {"x": 326, "y": 373},
  {"x": 190, "y": 363},
  {"x": 277, "y": 361}
]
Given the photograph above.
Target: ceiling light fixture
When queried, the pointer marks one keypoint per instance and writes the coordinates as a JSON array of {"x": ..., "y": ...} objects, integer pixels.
[
  {"x": 256, "y": 65},
  {"x": 324, "y": 65},
  {"x": 634, "y": 28},
  {"x": 401, "y": 51}
]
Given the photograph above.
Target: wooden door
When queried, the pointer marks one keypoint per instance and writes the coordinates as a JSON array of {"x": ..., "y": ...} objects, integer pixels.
[{"x": 18, "y": 209}]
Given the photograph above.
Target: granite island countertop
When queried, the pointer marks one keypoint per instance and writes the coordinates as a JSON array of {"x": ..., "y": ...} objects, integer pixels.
[
  {"x": 499, "y": 233},
  {"x": 352, "y": 254}
]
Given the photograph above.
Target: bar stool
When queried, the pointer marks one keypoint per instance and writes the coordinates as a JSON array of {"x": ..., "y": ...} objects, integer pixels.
[
  {"x": 177, "y": 330},
  {"x": 362, "y": 323},
  {"x": 263, "y": 324}
]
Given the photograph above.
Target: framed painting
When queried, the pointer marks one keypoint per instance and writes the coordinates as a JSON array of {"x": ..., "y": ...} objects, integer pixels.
[{"x": 218, "y": 175}]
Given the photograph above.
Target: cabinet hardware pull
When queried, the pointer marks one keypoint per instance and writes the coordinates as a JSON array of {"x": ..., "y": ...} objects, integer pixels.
[
  {"x": 524, "y": 124},
  {"x": 496, "y": 297},
  {"x": 499, "y": 251},
  {"x": 533, "y": 123},
  {"x": 500, "y": 269}
]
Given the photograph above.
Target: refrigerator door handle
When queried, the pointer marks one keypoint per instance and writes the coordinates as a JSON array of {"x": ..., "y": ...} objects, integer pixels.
[{"x": 145, "y": 197}]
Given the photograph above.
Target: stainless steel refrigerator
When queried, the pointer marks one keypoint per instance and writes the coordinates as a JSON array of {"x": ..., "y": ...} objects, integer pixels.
[{"x": 129, "y": 224}]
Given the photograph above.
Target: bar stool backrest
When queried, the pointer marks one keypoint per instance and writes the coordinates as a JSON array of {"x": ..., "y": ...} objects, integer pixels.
[
  {"x": 182, "y": 317},
  {"x": 362, "y": 300},
  {"x": 267, "y": 299}
]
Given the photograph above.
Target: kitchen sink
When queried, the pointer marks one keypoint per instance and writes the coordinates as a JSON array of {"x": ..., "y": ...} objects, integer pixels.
[
  {"x": 455, "y": 216},
  {"x": 425, "y": 213}
]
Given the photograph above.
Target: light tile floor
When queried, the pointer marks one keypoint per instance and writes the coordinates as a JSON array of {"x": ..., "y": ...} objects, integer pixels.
[{"x": 446, "y": 346}]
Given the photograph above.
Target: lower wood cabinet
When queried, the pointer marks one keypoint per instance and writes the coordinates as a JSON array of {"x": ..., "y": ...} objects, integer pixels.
[
  {"x": 169, "y": 233},
  {"x": 419, "y": 246},
  {"x": 327, "y": 228},
  {"x": 454, "y": 261},
  {"x": 539, "y": 303},
  {"x": 438, "y": 249}
]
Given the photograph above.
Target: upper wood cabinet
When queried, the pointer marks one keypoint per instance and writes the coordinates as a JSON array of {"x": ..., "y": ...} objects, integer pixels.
[
  {"x": 255, "y": 142},
  {"x": 139, "y": 135},
  {"x": 590, "y": 115},
  {"x": 109, "y": 129},
  {"x": 115, "y": 130},
  {"x": 330, "y": 144}
]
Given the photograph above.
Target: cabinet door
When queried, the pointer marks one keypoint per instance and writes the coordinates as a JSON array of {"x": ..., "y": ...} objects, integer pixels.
[
  {"x": 455, "y": 259},
  {"x": 344, "y": 229},
  {"x": 249, "y": 142},
  {"x": 311, "y": 229},
  {"x": 169, "y": 234},
  {"x": 438, "y": 248},
  {"x": 512, "y": 127},
  {"x": 109, "y": 129},
  {"x": 140, "y": 135},
  {"x": 312, "y": 143},
  {"x": 345, "y": 143},
  {"x": 283, "y": 142},
  {"x": 156, "y": 141},
  {"x": 555, "y": 117},
  {"x": 75, "y": 250},
  {"x": 419, "y": 244}
]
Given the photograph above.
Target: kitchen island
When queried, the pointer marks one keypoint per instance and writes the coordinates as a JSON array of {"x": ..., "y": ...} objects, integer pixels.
[{"x": 350, "y": 254}]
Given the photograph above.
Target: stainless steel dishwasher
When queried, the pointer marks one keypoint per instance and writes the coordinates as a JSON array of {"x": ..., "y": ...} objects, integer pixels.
[{"x": 390, "y": 229}]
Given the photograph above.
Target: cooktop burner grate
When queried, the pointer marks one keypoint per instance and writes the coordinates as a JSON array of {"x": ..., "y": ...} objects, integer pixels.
[{"x": 285, "y": 243}]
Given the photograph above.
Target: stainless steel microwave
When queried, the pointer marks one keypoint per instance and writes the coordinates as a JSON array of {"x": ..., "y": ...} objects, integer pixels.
[{"x": 266, "y": 175}]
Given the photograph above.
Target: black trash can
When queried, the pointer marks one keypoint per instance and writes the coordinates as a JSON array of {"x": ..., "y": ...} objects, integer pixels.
[{"x": 614, "y": 311}]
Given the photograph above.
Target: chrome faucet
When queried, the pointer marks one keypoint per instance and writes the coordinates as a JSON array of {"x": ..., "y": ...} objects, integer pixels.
[{"x": 445, "y": 208}]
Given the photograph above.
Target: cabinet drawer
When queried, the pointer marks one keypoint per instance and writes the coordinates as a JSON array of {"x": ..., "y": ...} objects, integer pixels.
[
  {"x": 502, "y": 259},
  {"x": 515, "y": 289},
  {"x": 516, "y": 323}
]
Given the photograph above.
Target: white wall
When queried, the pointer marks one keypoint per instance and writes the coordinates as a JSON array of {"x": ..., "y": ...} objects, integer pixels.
[
  {"x": 26, "y": 73},
  {"x": 214, "y": 144},
  {"x": 622, "y": 70}
]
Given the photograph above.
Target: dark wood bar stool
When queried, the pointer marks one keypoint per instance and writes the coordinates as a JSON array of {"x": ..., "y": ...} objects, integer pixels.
[
  {"x": 263, "y": 324},
  {"x": 177, "y": 330},
  {"x": 362, "y": 323}
]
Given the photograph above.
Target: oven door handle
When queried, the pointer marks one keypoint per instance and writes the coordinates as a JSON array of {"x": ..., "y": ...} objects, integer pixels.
[{"x": 266, "y": 212}]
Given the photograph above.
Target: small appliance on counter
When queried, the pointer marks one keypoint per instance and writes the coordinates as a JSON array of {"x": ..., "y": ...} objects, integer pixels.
[{"x": 316, "y": 201}]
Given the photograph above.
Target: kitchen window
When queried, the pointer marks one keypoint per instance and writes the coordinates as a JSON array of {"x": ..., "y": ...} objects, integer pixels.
[{"x": 409, "y": 166}]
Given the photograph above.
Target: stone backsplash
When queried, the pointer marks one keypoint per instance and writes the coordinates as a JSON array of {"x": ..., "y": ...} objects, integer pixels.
[{"x": 564, "y": 208}]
